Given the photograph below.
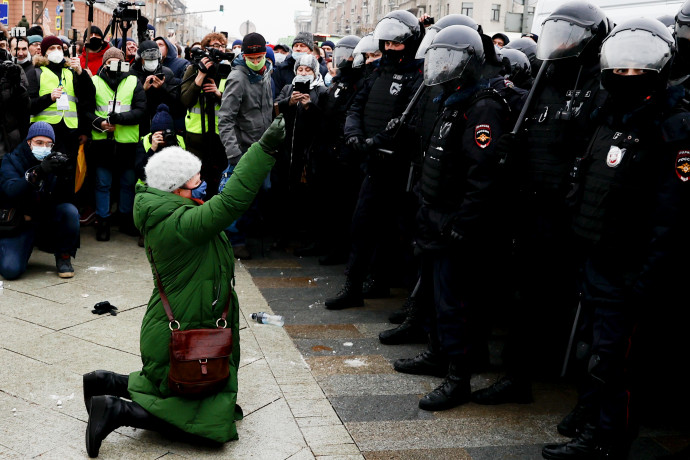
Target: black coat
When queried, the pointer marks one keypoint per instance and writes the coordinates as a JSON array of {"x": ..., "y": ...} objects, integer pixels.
[{"x": 168, "y": 94}]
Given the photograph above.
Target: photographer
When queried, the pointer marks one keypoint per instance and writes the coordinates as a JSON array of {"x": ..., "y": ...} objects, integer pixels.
[
  {"x": 38, "y": 187},
  {"x": 159, "y": 83},
  {"x": 120, "y": 106},
  {"x": 202, "y": 91},
  {"x": 94, "y": 49},
  {"x": 162, "y": 135}
]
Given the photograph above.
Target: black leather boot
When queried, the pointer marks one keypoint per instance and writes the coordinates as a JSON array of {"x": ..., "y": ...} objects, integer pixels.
[
  {"x": 573, "y": 422},
  {"x": 109, "y": 413},
  {"x": 429, "y": 362},
  {"x": 102, "y": 229},
  {"x": 98, "y": 383},
  {"x": 399, "y": 315},
  {"x": 506, "y": 390},
  {"x": 375, "y": 289},
  {"x": 454, "y": 391},
  {"x": 349, "y": 296},
  {"x": 410, "y": 331},
  {"x": 584, "y": 446}
]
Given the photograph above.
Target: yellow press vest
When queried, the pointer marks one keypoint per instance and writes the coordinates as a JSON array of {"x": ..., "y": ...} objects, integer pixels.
[
  {"x": 124, "y": 134},
  {"x": 146, "y": 142},
  {"x": 193, "y": 119},
  {"x": 48, "y": 81}
]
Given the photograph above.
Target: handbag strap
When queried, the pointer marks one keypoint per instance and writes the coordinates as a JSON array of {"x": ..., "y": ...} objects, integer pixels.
[{"x": 166, "y": 303}]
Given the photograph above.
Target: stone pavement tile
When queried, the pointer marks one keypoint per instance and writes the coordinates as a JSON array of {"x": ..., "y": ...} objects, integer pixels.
[
  {"x": 120, "y": 332},
  {"x": 14, "y": 331},
  {"x": 306, "y": 390},
  {"x": 465, "y": 433},
  {"x": 254, "y": 264},
  {"x": 356, "y": 346},
  {"x": 326, "y": 435},
  {"x": 311, "y": 408},
  {"x": 350, "y": 448},
  {"x": 319, "y": 420},
  {"x": 377, "y": 384},
  {"x": 265, "y": 282},
  {"x": 340, "y": 457},
  {"x": 304, "y": 454},
  {"x": 300, "y": 313},
  {"x": 372, "y": 330},
  {"x": 257, "y": 387},
  {"x": 249, "y": 347},
  {"x": 517, "y": 452},
  {"x": 40, "y": 311},
  {"x": 358, "y": 364},
  {"x": 419, "y": 454},
  {"x": 379, "y": 407},
  {"x": 322, "y": 331}
]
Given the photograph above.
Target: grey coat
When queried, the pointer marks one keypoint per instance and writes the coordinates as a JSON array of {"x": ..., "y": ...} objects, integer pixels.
[{"x": 246, "y": 110}]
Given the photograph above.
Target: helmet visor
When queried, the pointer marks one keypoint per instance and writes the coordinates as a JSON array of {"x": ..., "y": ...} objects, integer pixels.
[
  {"x": 391, "y": 29},
  {"x": 443, "y": 64},
  {"x": 151, "y": 54},
  {"x": 366, "y": 45},
  {"x": 635, "y": 49},
  {"x": 682, "y": 31},
  {"x": 562, "y": 38},
  {"x": 341, "y": 55},
  {"x": 426, "y": 42}
]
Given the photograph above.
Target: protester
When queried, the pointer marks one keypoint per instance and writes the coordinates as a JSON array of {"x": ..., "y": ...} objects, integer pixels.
[
  {"x": 170, "y": 57},
  {"x": 94, "y": 48},
  {"x": 34, "y": 44},
  {"x": 15, "y": 105},
  {"x": 302, "y": 44}
]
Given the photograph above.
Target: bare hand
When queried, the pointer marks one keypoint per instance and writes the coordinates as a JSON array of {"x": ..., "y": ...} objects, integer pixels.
[
  {"x": 75, "y": 64},
  {"x": 107, "y": 127},
  {"x": 295, "y": 97},
  {"x": 83, "y": 138},
  {"x": 154, "y": 81},
  {"x": 156, "y": 140},
  {"x": 210, "y": 87},
  {"x": 306, "y": 99},
  {"x": 55, "y": 95}
]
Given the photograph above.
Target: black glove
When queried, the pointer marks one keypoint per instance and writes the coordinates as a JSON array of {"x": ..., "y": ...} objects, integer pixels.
[
  {"x": 354, "y": 142},
  {"x": 115, "y": 118},
  {"x": 506, "y": 147},
  {"x": 53, "y": 163},
  {"x": 393, "y": 125}
]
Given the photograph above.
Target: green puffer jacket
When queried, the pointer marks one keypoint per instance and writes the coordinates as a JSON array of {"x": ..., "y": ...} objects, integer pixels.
[{"x": 196, "y": 265}]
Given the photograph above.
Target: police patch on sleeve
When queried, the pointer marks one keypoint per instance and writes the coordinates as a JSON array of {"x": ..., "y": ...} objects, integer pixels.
[
  {"x": 482, "y": 135},
  {"x": 683, "y": 165}
]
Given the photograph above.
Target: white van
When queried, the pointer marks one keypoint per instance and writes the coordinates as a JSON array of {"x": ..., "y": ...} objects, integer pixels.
[{"x": 616, "y": 10}]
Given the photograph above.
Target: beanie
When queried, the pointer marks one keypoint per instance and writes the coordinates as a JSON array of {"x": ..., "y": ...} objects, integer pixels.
[
  {"x": 170, "y": 168},
  {"x": 41, "y": 128},
  {"x": 97, "y": 31},
  {"x": 304, "y": 38},
  {"x": 35, "y": 30},
  {"x": 308, "y": 60},
  {"x": 253, "y": 43},
  {"x": 282, "y": 47},
  {"x": 31, "y": 39},
  {"x": 236, "y": 42},
  {"x": 270, "y": 55},
  {"x": 162, "y": 119},
  {"x": 49, "y": 41},
  {"x": 328, "y": 43},
  {"x": 113, "y": 52}
]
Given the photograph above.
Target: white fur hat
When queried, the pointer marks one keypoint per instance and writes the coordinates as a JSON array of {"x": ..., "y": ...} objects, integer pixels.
[{"x": 170, "y": 168}]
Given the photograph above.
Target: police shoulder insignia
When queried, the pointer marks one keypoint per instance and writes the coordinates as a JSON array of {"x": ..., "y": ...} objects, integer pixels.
[
  {"x": 683, "y": 165},
  {"x": 482, "y": 135}
]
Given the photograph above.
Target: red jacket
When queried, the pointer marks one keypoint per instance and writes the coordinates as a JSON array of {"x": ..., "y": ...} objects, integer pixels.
[{"x": 95, "y": 59}]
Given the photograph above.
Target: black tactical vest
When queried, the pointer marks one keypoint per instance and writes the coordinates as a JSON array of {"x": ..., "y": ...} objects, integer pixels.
[{"x": 388, "y": 98}]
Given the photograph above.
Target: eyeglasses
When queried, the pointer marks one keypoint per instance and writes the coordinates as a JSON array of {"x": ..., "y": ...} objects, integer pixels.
[
  {"x": 217, "y": 46},
  {"x": 43, "y": 144}
]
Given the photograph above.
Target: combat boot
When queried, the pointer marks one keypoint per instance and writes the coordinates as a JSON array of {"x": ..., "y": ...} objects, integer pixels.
[
  {"x": 349, "y": 296},
  {"x": 399, "y": 315},
  {"x": 454, "y": 391},
  {"x": 99, "y": 383},
  {"x": 573, "y": 422},
  {"x": 584, "y": 446},
  {"x": 375, "y": 289},
  {"x": 103, "y": 229},
  {"x": 506, "y": 390},
  {"x": 410, "y": 331},
  {"x": 429, "y": 362}
]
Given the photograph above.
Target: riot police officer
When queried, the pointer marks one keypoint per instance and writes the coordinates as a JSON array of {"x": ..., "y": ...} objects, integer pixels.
[
  {"x": 460, "y": 228},
  {"x": 556, "y": 129},
  {"x": 383, "y": 97},
  {"x": 627, "y": 207}
]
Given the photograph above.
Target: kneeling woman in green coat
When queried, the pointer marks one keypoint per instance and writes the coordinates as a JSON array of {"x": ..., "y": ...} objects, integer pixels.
[{"x": 195, "y": 262}]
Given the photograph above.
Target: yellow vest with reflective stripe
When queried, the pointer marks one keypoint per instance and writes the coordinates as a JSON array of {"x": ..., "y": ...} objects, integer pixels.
[
  {"x": 124, "y": 134},
  {"x": 146, "y": 142},
  {"x": 193, "y": 119},
  {"x": 47, "y": 83}
]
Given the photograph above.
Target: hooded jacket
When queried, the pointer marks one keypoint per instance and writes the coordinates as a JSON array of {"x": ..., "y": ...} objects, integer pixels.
[
  {"x": 196, "y": 266},
  {"x": 177, "y": 64},
  {"x": 246, "y": 110},
  {"x": 95, "y": 58}
]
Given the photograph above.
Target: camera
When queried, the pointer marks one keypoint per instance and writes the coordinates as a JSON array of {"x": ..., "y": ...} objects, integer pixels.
[
  {"x": 123, "y": 11},
  {"x": 169, "y": 137},
  {"x": 119, "y": 66},
  {"x": 213, "y": 54},
  {"x": 428, "y": 21},
  {"x": 18, "y": 32}
]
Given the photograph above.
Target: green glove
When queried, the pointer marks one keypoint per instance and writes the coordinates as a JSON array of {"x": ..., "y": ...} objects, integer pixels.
[{"x": 274, "y": 136}]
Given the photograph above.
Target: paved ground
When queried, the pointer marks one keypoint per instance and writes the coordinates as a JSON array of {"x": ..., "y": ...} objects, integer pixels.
[{"x": 320, "y": 387}]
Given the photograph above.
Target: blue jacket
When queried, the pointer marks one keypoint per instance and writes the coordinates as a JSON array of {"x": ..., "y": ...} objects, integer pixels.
[{"x": 177, "y": 64}]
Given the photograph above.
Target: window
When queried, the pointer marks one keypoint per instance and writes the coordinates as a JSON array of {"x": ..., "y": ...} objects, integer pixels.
[
  {"x": 495, "y": 12},
  {"x": 467, "y": 8}
]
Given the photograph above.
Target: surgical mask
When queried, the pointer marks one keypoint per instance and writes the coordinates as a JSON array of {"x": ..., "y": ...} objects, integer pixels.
[
  {"x": 25, "y": 60},
  {"x": 40, "y": 152},
  {"x": 327, "y": 80},
  {"x": 297, "y": 55},
  {"x": 150, "y": 66},
  {"x": 256, "y": 67},
  {"x": 279, "y": 57},
  {"x": 56, "y": 56},
  {"x": 237, "y": 51},
  {"x": 95, "y": 43}
]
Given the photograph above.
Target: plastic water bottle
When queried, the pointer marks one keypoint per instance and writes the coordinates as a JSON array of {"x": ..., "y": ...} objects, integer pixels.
[{"x": 265, "y": 318}]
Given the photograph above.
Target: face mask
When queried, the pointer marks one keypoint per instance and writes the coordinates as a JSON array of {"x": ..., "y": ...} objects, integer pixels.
[
  {"x": 95, "y": 43},
  {"x": 40, "y": 152},
  {"x": 279, "y": 58},
  {"x": 297, "y": 55},
  {"x": 150, "y": 66},
  {"x": 394, "y": 57},
  {"x": 25, "y": 60},
  {"x": 56, "y": 56},
  {"x": 256, "y": 67},
  {"x": 237, "y": 51},
  {"x": 630, "y": 91},
  {"x": 327, "y": 80}
]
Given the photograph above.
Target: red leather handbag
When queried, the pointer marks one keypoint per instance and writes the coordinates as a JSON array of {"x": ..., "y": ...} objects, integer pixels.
[{"x": 199, "y": 358}]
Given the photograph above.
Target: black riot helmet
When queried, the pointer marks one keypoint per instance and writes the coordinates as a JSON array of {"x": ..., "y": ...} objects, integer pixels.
[
  {"x": 574, "y": 29},
  {"x": 399, "y": 26},
  {"x": 642, "y": 43},
  {"x": 682, "y": 31},
  {"x": 366, "y": 45},
  {"x": 456, "y": 53},
  {"x": 344, "y": 50},
  {"x": 529, "y": 47},
  {"x": 667, "y": 20},
  {"x": 518, "y": 65},
  {"x": 445, "y": 21}
]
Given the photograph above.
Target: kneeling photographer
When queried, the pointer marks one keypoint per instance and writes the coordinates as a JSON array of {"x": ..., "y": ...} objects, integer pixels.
[
  {"x": 162, "y": 135},
  {"x": 120, "y": 106},
  {"x": 36, "y": 194},
  {"x": 202, "y": 91}
]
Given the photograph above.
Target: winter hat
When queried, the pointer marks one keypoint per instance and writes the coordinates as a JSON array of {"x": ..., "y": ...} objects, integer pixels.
[
  {"x": 503, "y": 37},
  {"x": 236, "y": 42},
  {"x": 308, "y": 60},
  {"x": 270, "y": 55},
  {"x": 253, "y": 43},
  {"x": 328, "y": 43},
  {"x": 49, "y": 41},
  {"x": 280, "y": 46},
  {"x": 170, "y": 168},
  {"x": 162, "y": 119},
  {"x": 304, "y": 38},
  {"x": 41, "y": 128},
  {"x": 113, "y": 52},
  {"x": 150, "y": 27},
  {"x": 35, "y": 30},
  {"x": 34, "y": 39},
  {"x": 96, "y": 30}
]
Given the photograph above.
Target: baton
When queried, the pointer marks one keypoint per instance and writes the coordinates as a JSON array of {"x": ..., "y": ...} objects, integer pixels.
[
  {"x": 530, "y": 96},
  {"x": 572, "y": 339}
]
